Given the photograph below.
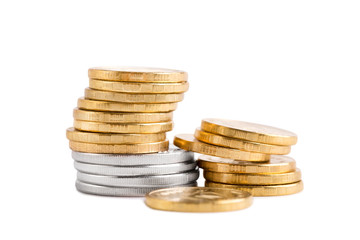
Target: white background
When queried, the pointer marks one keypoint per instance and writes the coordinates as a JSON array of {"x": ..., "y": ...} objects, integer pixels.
[{"x": 290, "y": 64}]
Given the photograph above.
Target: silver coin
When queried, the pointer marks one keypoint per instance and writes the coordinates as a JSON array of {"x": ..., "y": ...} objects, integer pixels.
[
  {"x": 173, "y": 155},
  {"x": 121, "y": 191},
  {"x": 139, "y": 181},
  {"x": 135, "y": 170}
]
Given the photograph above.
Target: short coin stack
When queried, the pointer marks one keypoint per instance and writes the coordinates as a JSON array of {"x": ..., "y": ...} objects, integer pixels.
[
  {"x": 119, "y": 132},
  {"x": 245, "y": 156}
]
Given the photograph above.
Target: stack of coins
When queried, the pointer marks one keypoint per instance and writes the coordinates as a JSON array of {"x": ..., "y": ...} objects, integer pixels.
[
  {"x": 119, "y": 132},
  {"x": 245, "y": 156}
]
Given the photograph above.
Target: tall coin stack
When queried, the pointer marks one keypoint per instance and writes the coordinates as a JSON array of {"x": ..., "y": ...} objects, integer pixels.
[
  {"x": 245, "y": 156},
  {"x": 119, "y": 136}
]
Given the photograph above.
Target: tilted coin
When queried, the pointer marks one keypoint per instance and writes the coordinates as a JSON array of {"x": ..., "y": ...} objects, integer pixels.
[
  {"x": 253, "y": 179},
  {"x": 121, "y": 191},
  {"x": 240, "y": 144},
  {"x": 262, "y": 191},
  {"x": 113, "y": 138},
  {"x": 120, "y": 117},
  {"x": 189, "y": 143},
  {"x": 133, "y": 97},
  {"x": 198, "y": 199},
  {"x": 277, "y": 164},
  {"x": 123, "y": 127},
  {"x": 171, "y": 156},
  {"x": 139, "y": 181},
  {"x": 138, "y": 74},
  {"x": 249, "y": 131},
  {"x": 135, "y": 170},
  {"x": 137, "y": 87},
  {"x": 120, "y": 148},
  {"x": 88, "y": 104}
]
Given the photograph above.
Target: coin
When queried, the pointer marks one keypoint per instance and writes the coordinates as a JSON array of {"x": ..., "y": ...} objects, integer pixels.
[
  {"x": 113, "y": 138},
  {"x": 133, "y": 97},
  {"x": 136, "y": 87},
  {"x": 125, "y": 107},
  {"x": 240, "y": 144},
  {"x": 262, "y": 191},
  {"x": 139, "y": 181},
  {"x": 120, "y": 148},
  {"x": 135, "y": 170},
  {"x": 198, "y": 199},
  {"x": 120, "y": 191},
  {"x": 171, "y": 156},
  {"x": 277, "y": 164},
  {"x": 138, "y": 74},
  {"x": 254, "y": 179},
  {"x": 249, "y": 131},
  {"x": 123, "y": 127},
  {"x": 119, "y": 117},
  {"x": 189, "y": 143}
]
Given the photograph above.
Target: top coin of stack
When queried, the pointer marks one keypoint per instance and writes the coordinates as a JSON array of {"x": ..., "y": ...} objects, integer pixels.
[{"x": 127, "y": 110}]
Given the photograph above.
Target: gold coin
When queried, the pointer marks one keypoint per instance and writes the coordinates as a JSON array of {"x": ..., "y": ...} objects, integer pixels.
[
  {"x": 136, "y": 87},
  {"x": 113, "y": 138},
  {"x": 118, "y": 117},
  {"x": 123, "y": 127},
  {"x": 249, "y": 131},
  {"x": 133, "y": 97},
  {"x": 138, "y": 74},
  {"x": 262, "y": 191},
  {"x": 277, "y": 164},
  {"x": 125, "y": 107},
  {"x": 253, "y": 179},
  {"x": 189, "y": 143},
  {"x": 120, "y": 148},
  {"x": 198, "y": 199},
  {"x": 240, "y": 144}
]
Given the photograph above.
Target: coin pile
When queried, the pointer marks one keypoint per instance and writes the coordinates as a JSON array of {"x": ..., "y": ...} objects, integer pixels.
[
  {"x": 245, "y": 156},
  {"x": 119, "y": 136}
]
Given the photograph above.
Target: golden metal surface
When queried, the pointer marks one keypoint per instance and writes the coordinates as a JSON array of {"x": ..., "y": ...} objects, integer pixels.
[
  {"x": 138, "y": 74},
  {"x": 123, "y": 127},
  {"x": 136, "y": 87},
  {"x": 133, "y": 97},
  {"x": 120, "y": 148},
  {"x": 118, "y": 117},
  {"x": 263, "y": 191},
  {"x": 240, "y": 144},
  {"x": 249, "y": 131},
  {"x": 189, "y": 143},
  {"x": 125, "y": 107},
  {"x": 277, "y": 164},
  {"x": 113, "y": 138},
  {"x": 253, "y": 179},
  {"x": 198, "y": 199}
]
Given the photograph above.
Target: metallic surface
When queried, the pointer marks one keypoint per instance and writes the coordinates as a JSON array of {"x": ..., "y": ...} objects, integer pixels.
[
  {"x": 189, "y": 143},
  {"x": 139, "y": 181},
  {"x": 198, "y": 199},
  {"x": 249, "y": 131},
  {"x": 262, "y": 191},
  {"x": 240, "y": 144},
  {"x": 277, "y": 164},
  {"x": 253, "y": 179}
]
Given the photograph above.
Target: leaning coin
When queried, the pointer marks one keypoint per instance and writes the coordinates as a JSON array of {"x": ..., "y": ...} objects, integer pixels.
[
  {"x": 135, "y": 170},
  {"x": 120, "y": 191},
  {"x": 198, "y": 199},
  {"x": 139, "y": 181},
  {"x": 173, "y": 155}
]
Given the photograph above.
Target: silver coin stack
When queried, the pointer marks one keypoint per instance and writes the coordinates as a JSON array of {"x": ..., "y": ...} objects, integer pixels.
[{"x": 134, "y": 175}]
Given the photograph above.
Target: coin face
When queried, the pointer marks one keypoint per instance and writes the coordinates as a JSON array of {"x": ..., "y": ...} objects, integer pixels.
[
  {"x": 198, "y": 199},
  {"x": 249, "y": 131}
]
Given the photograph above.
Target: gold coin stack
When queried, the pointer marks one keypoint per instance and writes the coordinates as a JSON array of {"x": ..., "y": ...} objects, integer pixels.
[
  {"x": 245, "y": 156},
  {"x": 127, "y": 110}
]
